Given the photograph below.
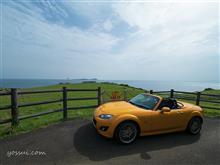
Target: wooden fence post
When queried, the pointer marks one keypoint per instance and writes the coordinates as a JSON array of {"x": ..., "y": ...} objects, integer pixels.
[
  {"x": 14, "y": 107},
  {"x": 64, "y": 103},
  {"x": 171, "y": 93},
  {"x": 125, "y": 94},
  {"x": 151, "y": 91},
  {"x": 102, "y": 98},
  {"x": 99, "y": 96},
  {"x": 198, "y": 98}
]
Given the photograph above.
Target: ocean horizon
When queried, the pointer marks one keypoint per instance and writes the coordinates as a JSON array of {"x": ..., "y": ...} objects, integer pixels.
[{"x": 145, "y": 84}]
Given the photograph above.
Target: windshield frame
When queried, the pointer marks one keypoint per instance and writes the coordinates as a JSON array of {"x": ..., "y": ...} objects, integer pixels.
[{"x": 143, "y": 107}]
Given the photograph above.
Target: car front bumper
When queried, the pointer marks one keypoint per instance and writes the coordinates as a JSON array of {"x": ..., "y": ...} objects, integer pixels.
[{"x": 103, "y": 127}]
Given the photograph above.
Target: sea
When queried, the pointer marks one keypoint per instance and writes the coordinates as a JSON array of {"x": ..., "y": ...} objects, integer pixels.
[{"x": 145, "y": 84}]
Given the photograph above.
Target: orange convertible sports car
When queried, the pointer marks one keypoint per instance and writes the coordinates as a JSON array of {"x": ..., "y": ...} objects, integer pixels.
[{"x": 146, "y": 114}]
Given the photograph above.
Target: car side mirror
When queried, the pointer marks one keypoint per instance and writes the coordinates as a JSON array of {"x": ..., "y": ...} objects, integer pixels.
[{"x": 165, "y": 109}]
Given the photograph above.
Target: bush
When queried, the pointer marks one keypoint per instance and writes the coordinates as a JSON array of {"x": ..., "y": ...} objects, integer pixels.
[
  {"x": 208, "y": 89},
  {"x": 124, "y": 85}
]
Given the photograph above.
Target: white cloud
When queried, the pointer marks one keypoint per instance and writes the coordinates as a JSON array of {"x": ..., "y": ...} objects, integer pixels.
[
  {"x": 170, "y": 26},
  {"x": 181, "y": 38},
  {"x": 91, "y": 10},
  {"x": 172, "y": 37},
  {"x": 53, "y": 35},
  {"x": 107, "y": 25},
  {"x": 37, "y": 41}
]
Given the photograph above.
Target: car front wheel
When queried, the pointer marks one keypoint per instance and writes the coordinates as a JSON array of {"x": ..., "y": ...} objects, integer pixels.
[
  {"x": 126, "y": 132},
  {"x": 194, "y": 126}
]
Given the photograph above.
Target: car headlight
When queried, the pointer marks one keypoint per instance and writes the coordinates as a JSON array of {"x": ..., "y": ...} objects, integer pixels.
[{"x": 105, "y": 116}]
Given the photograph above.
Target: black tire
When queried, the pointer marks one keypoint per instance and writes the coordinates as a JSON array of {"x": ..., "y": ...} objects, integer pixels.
[
  {"x": 194, "y": 126},
  {"x": 126, "y": 132}
]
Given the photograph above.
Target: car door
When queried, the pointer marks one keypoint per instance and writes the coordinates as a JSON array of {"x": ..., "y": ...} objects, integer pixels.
[{"x": 166, "y": 121}]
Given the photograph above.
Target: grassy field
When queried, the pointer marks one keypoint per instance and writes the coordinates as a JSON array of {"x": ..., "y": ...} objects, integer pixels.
[{"x": 42, "y": 121}]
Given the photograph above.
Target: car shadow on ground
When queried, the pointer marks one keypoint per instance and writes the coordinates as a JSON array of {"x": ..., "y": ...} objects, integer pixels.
[{"x": 97, "y": 148}]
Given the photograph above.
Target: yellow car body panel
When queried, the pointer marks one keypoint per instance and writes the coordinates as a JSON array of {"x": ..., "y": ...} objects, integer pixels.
[{"x": 150, "y": 122}]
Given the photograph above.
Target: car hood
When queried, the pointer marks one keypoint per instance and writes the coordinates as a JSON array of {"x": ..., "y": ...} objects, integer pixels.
[{"x": 117, "y": 107}]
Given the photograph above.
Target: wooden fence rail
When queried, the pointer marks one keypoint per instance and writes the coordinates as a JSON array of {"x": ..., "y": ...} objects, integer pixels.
[
  {"x": 14, "y": 94},
  {"x": 197, "y": 99},
  {"x": 191, "y": 96}
]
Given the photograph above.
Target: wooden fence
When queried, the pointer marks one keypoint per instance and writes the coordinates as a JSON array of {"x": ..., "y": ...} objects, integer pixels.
[
  {"x": 197, "y": 97},
  {"x": 212, "y": 98},
  {"x": 14, "y": 93}
]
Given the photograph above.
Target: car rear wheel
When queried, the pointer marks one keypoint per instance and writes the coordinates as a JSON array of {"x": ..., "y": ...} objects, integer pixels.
[
  {"x": 126, "y": 132},
  {"x": 194, "y": 126}
]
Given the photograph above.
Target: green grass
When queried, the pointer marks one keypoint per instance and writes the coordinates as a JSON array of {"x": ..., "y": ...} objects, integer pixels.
[
  {"x": 211, "y": 112},
  {"x": 42, "y": 121}
]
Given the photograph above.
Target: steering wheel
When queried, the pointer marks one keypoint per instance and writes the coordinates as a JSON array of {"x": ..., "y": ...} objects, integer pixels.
[{"x": 180, "y": 104}]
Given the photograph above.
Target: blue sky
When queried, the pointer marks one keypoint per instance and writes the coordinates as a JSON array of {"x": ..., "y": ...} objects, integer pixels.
[{"x": 127, "y": 40}]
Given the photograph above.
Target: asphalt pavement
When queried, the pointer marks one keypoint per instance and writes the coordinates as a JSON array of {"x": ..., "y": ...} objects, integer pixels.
[{"x": 76, "y": 142}]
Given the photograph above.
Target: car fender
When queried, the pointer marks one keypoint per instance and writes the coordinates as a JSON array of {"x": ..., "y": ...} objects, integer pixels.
[
  {"x": 195, "y": 113},
  {"x": 125, "y": 117}
]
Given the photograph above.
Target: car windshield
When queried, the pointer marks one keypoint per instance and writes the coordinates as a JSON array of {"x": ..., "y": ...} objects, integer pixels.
[{"x": 144, "y": 101}]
